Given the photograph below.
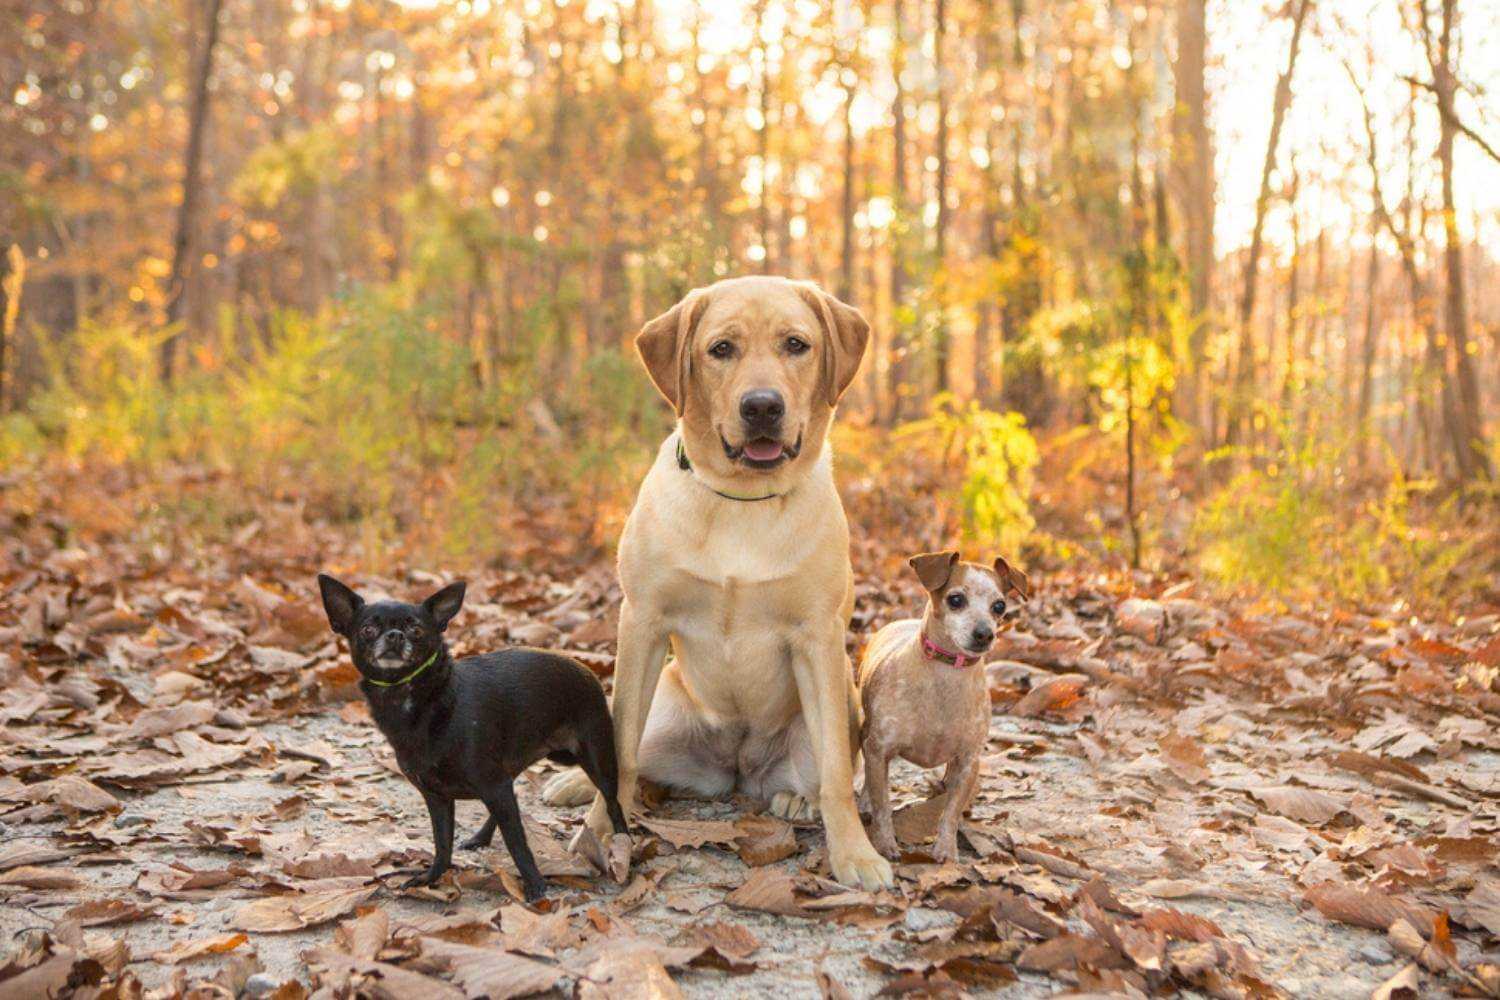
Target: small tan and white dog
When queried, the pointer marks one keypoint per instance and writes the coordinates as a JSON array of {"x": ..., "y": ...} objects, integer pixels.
[{"x": 924, "y": 691}]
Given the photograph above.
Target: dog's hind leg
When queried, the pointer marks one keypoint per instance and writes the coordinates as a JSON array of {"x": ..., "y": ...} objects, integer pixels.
[
  {"x": 680, "y": 748},
  {"x": 597, "y": 757},
  {"x": 791, "y": 781},
  {"x": 568, "y": 788},
  {"x": 483, "y": 838},
  {"x": 676, "y": 750}
]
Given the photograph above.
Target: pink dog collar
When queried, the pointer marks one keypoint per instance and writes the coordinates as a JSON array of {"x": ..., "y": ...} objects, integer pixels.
[{"x": 933, "y": 651}]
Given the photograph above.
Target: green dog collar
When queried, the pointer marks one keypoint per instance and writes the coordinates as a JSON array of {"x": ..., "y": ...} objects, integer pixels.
[
  {"x": 408, "y": 678},
  {"x": 686, "y": 466}
]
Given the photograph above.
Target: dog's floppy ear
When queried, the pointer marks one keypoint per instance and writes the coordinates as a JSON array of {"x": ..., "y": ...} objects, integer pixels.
[
  {"x": 1012, "y": 579},
  {"x": 443, "y": 605},
  {"x": 934, "y": 568},
  {"x": 847, "y": 332},
  {"x": 342, "y": 604},
  {"x": 664, "y": 344}
]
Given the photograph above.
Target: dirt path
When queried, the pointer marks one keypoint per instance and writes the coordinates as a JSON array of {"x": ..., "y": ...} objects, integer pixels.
[{"x": 1177, "y": 797}]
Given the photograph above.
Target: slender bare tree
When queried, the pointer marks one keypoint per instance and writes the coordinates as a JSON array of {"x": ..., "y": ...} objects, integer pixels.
[
  {"x": 1237, "y": 425},
  {"x": 192, "y": 184}
]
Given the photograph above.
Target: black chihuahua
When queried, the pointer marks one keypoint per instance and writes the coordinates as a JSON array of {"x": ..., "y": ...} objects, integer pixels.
[{"x": 465, "y": 729}]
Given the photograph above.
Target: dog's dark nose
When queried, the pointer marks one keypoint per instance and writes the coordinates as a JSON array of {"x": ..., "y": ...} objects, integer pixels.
[
  {"x": 982, "y": 636},
  {"x": 762, "y": 408}
]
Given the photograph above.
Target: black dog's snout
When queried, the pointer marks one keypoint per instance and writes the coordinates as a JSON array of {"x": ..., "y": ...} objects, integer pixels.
[
  {"x": 983, "y": 635},
  {"x": 762, "y": 408}
]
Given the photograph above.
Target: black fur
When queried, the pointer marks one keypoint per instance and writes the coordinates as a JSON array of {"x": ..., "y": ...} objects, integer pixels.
[{"x": 465, "y": 729}]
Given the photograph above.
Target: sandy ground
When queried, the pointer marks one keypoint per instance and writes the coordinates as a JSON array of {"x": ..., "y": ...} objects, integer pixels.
[{"x": 1052, "y": 795}]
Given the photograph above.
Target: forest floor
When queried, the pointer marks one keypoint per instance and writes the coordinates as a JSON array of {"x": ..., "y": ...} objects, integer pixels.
[{"x": 1182, "y": 793}]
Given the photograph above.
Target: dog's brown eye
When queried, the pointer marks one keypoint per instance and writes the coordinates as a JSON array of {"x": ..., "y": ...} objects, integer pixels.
[
  {"x": 956, "y": 601},
  {"x": 722, "y": 349},
  {"x": 997, "y": 609},
  {"x": 415, "y": 628},
  {"x": 796, "y": 345},
  {"x": 369, "y": 631}
]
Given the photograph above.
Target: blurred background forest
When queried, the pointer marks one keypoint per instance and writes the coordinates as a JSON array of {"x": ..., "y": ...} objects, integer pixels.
[{"x": 1203, "y": 286}]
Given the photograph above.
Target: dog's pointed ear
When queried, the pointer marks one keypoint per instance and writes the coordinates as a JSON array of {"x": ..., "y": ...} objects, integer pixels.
[
  {"x": 1011, "y": 579},
  {"x": 342, "y": 604},
  {"x": 847, "y": 333},
  {"x": 443, "y": 605},
  {"x": 934, "y": 568},
  {"x": 665, "y": 347}
]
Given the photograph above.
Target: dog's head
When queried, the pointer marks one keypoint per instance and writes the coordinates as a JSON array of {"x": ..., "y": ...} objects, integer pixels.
[
  {"x": 389, "y": 639},
  {"x": 968, "y": 600},
  {"x": 754, "y": 367}
]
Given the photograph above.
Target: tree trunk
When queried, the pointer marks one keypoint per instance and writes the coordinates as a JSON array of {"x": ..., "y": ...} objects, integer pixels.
[
  {"x": 940, "y": 335},
  {"x": 187, "y": 209},
  {"x": 1368, "y": 348},
  {"x": 1237, "y": 426},
  {"x": 897, "y": 367},
  {"x": 12, "y": 279},
  {"x": 1290, "y": 373},
  {"x": 1469, "y": 453},
  {"x": 846, "y": 208},
  {"x": 763, "y": 141},
  {"x": 1193, "y": 176}
]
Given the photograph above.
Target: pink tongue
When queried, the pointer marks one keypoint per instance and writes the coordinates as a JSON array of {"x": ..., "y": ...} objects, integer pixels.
[{"x": 763, "y": 449}]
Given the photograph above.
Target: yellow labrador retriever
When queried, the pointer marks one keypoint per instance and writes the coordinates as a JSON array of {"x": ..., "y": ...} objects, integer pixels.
[{"x": 736, "y": 558}]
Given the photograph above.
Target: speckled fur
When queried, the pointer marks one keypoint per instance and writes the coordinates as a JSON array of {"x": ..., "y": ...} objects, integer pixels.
[{"x": 927, "y": 711}]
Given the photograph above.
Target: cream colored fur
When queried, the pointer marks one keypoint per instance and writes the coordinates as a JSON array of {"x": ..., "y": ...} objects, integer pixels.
[{"x": 752, "y": 600}]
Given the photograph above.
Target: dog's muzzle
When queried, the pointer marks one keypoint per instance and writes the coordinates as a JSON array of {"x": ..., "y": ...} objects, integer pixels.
[{"x": 392, "y": 649}]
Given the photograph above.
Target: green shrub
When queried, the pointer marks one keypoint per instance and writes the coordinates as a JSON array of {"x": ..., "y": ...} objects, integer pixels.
[
  {"x": 1291, "y": 526},
  {"x": 999, "y": 457}
]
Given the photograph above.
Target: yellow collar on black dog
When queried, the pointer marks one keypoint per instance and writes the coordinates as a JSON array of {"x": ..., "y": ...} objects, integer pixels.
[{"x": 409, "y": 677}]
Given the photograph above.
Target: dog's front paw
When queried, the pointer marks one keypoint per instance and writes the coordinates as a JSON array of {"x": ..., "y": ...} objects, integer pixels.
[
  {"x": 569, "y": 788},
  {"x": 791, "y": 806},
  {"x": 945, "y": 849},
  {"x": 862, "y": 866},
  {"x": 598, "y": 821},
  {"x": 885, "y": 842},
  {"x": 421, "y": 879},
  {"x": 535, "y": 889}
]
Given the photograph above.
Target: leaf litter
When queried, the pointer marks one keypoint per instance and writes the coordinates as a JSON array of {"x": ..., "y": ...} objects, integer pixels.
[{"x": 1235, "y": 798}]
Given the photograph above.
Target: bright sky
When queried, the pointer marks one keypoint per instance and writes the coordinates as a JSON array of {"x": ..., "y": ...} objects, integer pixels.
[
  {"x": 1325, "y": 124},
  {"x": 1247, "y": 47}
]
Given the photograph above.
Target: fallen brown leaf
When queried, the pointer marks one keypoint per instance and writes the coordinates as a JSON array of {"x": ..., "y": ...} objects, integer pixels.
[
  {"x": 186, "y": 951},
  {"x": 769, "y": 890},
  {"x": 1404, "y": 985},
  {"x": 382, "y": 980},
  {"x": 1367, "y": 907},
  {"x": 766, "y": 840},
  {"x": 1304, "y": 804},
  {"x": 34, "y": 877},
  {"x": 1184, "y": 757},
  {"x": 366, "y": 934},
  {"x": 71, "y": 792},
  {"x": 731, "y": 940},
  {"x": 101, "y": 912},
  {"x": 492, "y": 972},
  {"x": 1055, "y": 696},
  {"x": 1481, "y": 906},
  {"x": 294, "y": 912},
  {"x": 1069, "y": 951},
  {"x": 692, "y": 832}
]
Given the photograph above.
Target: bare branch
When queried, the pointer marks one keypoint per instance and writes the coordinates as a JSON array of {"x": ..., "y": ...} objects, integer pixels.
[{"x": 1454, "y": 120}]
